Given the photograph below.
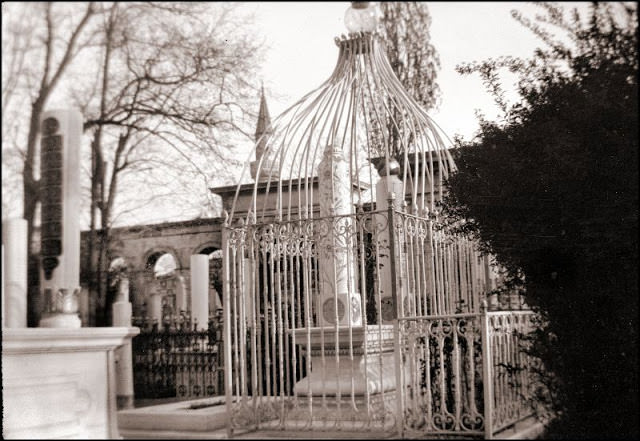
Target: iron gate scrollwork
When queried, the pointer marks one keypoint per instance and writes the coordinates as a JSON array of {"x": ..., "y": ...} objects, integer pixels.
[
  {"x": 177, "y": 361},
  {"x": 466, "y": 374}
]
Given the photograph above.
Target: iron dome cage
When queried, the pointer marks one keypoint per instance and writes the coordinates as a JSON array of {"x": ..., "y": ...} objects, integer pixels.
[
  {"x": 360, "y": 116},
  {"x": 337, "y": 240}
]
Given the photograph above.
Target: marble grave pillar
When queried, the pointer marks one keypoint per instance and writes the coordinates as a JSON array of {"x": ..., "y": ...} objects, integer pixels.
[{"x": 61, "y": 132}]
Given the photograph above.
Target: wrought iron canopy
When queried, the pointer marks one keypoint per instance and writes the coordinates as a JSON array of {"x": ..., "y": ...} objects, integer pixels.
[{"x": 367, "y": 118}]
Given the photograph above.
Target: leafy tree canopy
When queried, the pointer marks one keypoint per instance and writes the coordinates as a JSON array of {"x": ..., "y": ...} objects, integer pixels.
[
  {"x": 552, "y": 191},
  {"x": 405, "y": 30}
]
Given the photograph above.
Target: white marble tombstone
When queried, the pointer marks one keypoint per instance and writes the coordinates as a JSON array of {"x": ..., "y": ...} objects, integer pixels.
[{"x": 61, "y": 132}]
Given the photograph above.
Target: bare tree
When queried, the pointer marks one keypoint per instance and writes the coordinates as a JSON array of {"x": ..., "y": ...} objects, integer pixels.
[
  {"x": 175, "y": 81},
  {"x": 164, "y": 89}
]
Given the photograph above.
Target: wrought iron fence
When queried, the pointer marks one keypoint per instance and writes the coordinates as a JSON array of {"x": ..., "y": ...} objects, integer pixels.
[
  {"x": 442, "y": 376},
  {"x": 175, "y": 360},
  {"x": 442, "y": 273},
  {"x": 512, "y": 380},
  {"x": 465, "y": 374},
  {"x": 280, "y": 326},
  {"x": 301, "y": 356}
]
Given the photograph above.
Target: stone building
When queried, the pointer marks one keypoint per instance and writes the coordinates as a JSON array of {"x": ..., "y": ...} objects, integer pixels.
[{"x": 157, "y": 259}]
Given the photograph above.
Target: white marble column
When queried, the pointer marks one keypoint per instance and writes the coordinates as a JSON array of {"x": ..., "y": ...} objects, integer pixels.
[
  {"x": 181, "y": 295},
  {"x": 60, "y": 228},
  {"x": 121, "y": 306},
  {"x": 336, "y": 260},
  {"x": 123, "y": 356},
  {"x": 14, "y": 273},
  {"x": 200, "y": 290}
]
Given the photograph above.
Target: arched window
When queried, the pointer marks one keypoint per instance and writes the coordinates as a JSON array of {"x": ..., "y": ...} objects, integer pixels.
[{"x": 162, "y": 264}]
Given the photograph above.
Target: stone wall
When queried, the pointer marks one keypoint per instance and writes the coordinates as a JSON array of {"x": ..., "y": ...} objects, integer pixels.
[{"x": 137, "y": 244}]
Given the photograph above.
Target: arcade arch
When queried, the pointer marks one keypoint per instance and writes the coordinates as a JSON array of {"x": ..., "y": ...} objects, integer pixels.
[
  {"x": 142, "y": 248},
  {"x": 161, "y": 258}
]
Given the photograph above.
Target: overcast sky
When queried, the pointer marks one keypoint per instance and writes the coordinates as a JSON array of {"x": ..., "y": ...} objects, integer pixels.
[{"x": 303, "y": 54}]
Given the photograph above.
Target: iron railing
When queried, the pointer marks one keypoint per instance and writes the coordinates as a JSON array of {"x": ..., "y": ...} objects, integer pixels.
[
  {"x": 397, "y": 343},
  {"x": 465, "y": 374},
  {"x": 511, "y": 378},
  {"x": 176, "y": 360}
]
